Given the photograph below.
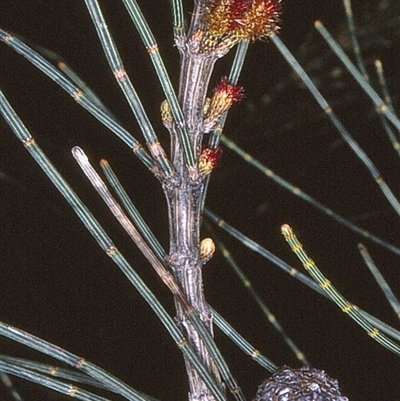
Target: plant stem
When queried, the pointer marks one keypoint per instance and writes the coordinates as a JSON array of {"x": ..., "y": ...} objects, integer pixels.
[{"x": 184, "y": 199}]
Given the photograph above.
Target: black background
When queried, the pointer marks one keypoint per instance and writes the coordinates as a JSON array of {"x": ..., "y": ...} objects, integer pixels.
[{"x": 56, "y": 283}]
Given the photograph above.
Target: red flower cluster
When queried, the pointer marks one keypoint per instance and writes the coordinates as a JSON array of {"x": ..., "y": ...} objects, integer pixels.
[
  {"x": 242, "y": 19},
  {"x": 232, "y": 93},
  {"x": 225, "y": 94}
]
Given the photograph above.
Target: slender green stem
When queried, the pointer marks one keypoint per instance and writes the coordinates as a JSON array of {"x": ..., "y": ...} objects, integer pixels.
[
  {"x": 9, "y": 385},
  {"x": 354, "y": 146},
  {"x": 118, "y": 69},
  {"x": 383, "y": 84},
  {"x": 354, "y": 40},
  {"x": 244, "y": 345},
  {"x": 63, "y": 66},
  {"x": 362, "y": 68},
  {"x": 234, "y": 74},
  {"x": 152, "y": 48},
  {"x": 302, "y": 195},
  {"x": 132, "y": 211},
  {"x": 111, "y": 382},
  {"x": 381, "y": 106},
  {"x": 389, "y": 330},
  {"x": 261, "y": 304},
  {"x": 107, "y": 245},
  {"x": 53, "y": 384},
  {"x": 334, "y": 294},
  {"x": 364, "y": 72},
  {"x": 55, "y": 371},
  {"x": 387, "y": 291},
  {"x": 394, "y": 139},
  {"x": 80, "y": 97},
  {"x": 247, "y": 242},
  {"x": 178, "y": 20},
  {"x": 260, "y": 250}
]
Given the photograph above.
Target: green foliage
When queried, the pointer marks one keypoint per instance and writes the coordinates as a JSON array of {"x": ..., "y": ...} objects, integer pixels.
[{"x": 56, "y": 284}]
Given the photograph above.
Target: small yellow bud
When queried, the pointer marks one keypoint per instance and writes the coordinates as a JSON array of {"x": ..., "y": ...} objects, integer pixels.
[{"x": 207, "y": 249}]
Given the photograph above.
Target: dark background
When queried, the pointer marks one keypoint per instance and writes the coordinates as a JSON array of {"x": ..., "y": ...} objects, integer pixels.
[{"x": 56, "y": 283}]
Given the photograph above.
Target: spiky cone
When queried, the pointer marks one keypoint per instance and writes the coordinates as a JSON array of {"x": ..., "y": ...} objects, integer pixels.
[{"x": 304, "y": 384}]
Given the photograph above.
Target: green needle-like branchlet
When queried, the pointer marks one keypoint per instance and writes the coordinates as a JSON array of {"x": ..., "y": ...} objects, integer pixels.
[
  {"x": 118, "y": 69},
  {"x": 154, "y": 53},
  {"x": 247, "y": 242},
  {"x": 111, "y": 382},
  {"x": 106, "y": 243},
  {"x": 302, "y": 195},
  {"x": 386, "y": 290},
  {"x": 381, "y": 107},
  {"x": 261, "y": 304},
  {"x": 53, "y": 384},
  {"x": 334, "y": 294},
  {"x": 80, "y": 97},
  {"x": 178, "y": 20}
]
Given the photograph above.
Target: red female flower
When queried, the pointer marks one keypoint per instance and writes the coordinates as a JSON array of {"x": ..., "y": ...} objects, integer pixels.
[
  {"x": 261, "y": 19},
  {"x": 208, "y": 160},
  {"x": 229, "y": 21},
  {"x": 225, "y": 94}
]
